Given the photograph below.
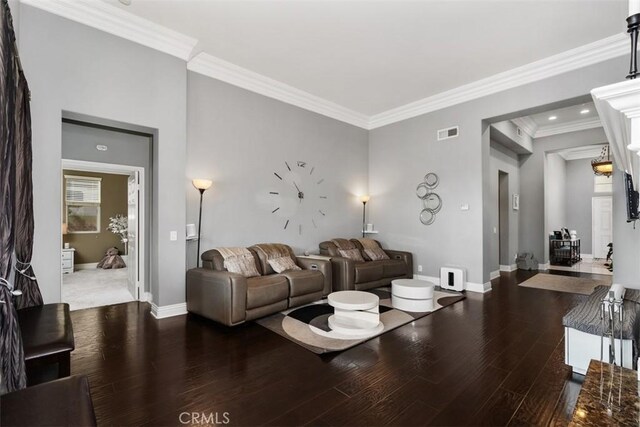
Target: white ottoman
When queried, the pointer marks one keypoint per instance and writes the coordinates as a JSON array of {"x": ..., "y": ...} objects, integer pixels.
[
  {"x": 412, "y": 295},
  {"x": 356, "y": 314}
]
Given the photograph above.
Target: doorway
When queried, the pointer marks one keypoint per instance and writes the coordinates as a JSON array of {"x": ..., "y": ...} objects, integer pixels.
[
  {"x": 602, "y": 225},
  {"x": 103, "y": 233},
  {"x": 503, "y": 220}
]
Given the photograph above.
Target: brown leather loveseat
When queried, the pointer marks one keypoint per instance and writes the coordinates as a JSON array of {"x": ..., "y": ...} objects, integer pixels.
[
  {"x": 350, "y": 274},
  {"x": 231, "y": 298}
]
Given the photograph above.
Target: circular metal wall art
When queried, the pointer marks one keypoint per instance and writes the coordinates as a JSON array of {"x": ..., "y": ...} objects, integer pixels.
[
  {"x": 431, "y": 180},
  {"x": 432, "y": 203},
  {"x": 427, "y": 216}
]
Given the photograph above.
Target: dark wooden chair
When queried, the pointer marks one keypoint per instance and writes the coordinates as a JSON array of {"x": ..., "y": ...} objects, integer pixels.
[
  {"x": 47, "y": 338},
  {"x": 63, "y": 402}
]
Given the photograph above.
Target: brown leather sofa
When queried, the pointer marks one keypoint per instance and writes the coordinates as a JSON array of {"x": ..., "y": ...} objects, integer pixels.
[
  {"x": 231, "y": 299},
  {"x": 353, "y": 275}
]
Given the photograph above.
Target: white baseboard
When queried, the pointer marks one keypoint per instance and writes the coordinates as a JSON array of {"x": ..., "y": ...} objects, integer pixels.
[
  {"x": 478, "y": 287},
  {"x": 494, "y": 274},
  {"x": 544, "y": 266},
  {"x": 162, "y": 312},
  {"x": 470, "y": 286},
  {"x": 146, "y": 297},
  {"x": 87, "y": 266},
  {"x": 509, "y": 268},
  {"x": 586, "y": 257},
  {"x": 432, "y": 279}
]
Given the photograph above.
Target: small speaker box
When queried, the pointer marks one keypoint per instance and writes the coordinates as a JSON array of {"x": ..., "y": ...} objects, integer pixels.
[{"x": 452, "y": 278}]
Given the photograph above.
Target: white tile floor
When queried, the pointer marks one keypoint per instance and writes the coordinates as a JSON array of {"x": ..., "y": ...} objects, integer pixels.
[
  {"x": 594, "y": 266},
  {"x": 95, "y": 287}
]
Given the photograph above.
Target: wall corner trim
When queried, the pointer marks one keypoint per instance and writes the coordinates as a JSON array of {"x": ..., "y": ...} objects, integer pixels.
[
  {"x": 113, "y": 20},
  {"x": 162, "y": 312},
  {"x": 478, "y": 287}
]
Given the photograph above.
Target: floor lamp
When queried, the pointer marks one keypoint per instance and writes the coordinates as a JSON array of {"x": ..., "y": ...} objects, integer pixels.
[
  {"x": 201, "y": 185},
  {"x": 364, "y": 200}
]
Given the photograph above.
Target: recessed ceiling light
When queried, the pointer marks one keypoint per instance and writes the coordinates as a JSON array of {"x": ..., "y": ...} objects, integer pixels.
[
  {"x": 553, "y": 117},
  {"x": 585, "y": 111}
]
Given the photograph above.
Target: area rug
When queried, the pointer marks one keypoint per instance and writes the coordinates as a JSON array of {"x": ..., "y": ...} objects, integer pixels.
[
  {"x": 569, "y": 284},
  {"x": 308, "y": 327}
]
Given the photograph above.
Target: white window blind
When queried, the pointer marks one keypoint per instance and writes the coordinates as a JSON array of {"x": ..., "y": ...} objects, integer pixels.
[{"x": 82, "y": 189}]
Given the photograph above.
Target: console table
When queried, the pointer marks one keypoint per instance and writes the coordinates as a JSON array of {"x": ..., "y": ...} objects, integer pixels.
[{"x": 564, "y": 251}]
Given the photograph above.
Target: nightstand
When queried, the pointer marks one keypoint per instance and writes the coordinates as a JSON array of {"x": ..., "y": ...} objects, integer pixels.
[{"x": 67, "y": 260}]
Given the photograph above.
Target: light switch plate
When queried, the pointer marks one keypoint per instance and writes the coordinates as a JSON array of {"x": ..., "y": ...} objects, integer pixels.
[
  {"x": 464, "y": 207},
  {"x": 173, "y": 235}
]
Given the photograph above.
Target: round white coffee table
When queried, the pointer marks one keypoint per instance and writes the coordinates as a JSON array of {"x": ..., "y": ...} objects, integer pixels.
[
  {"x": 412, "y": 295},
  {"x": 356, "y": 314}
]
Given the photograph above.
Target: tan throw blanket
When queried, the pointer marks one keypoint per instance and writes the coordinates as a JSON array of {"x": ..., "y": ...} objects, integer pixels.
[
  {"x": 369, "y": 243},
  {"x": 273, "y": 250},
  {"x": 232, "y": 252},
  {"x": 240, "y": 261},
  {"x": 343, "y": 244}
]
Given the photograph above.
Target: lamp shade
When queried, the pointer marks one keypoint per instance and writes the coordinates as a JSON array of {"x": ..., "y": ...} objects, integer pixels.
[
  {"x": 202, "y": 184},
  {"x": 365, "y": 198},
  {"x": 603, "y": 165}
]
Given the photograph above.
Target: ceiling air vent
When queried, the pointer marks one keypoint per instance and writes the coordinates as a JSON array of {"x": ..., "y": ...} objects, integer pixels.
[{"x": 451, "y": 132}]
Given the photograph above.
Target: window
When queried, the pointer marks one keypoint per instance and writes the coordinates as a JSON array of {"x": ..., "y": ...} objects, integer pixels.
[
  {"x": 82, "y": 197},
  {"x": 603, "y": 184}
]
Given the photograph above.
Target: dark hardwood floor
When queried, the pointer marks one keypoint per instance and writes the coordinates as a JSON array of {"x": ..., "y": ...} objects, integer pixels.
[{"x": 492, "y": 359}]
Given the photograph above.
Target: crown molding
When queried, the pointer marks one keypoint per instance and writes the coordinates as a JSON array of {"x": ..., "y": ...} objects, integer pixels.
[
  {"x": 577, "y": 125},
  {"x": 582, "y": 153},
  {"x": 121, "y": 23},
  {"x": 527, "y": 124},
  {"x": 592, "y": 53},
  {"x": 112, "y": 20},
  {"x": 216, "y": 68}
]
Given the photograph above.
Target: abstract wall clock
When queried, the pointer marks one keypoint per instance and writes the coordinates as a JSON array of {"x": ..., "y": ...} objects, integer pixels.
[{"x": 299, "y": 196}]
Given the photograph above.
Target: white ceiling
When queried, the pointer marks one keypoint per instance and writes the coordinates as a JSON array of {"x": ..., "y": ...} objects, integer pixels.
[
  {"x": 565, "y": 115},
  {"x": 373, "y": 56},
  {"x": 567, "y": 119}
]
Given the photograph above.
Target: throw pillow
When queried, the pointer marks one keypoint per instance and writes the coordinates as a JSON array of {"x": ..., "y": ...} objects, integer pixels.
[
  {"x": 283, "y": 264},
  {"x": 376, "y": 254},
  {"x": 242, "y": 264},
  {"x": 352, "y": 254}
]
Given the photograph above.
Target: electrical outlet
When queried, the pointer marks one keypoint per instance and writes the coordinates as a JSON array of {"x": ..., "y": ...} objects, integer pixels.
[
  {"x": 419, "y": 269},
  {"x": 173, "y": 235}
]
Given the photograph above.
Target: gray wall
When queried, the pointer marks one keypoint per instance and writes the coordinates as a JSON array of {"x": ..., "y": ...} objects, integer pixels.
[
  {"x": 71, "y": 67},
  {"x": 79, "y": 143},
  {"x": 401, "y": 153},
  {"x": 239, "y": 139},
  {"x": 580, "y": 191},
  {"x": 555, "y": 201},
  {"x": 626, "y": 237},
  {"x": 533, "y": 232},
  {"x": 505, "y": 160}
]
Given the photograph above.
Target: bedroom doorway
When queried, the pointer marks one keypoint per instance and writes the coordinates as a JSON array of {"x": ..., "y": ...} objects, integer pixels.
[{"x": 103, "y": 233}]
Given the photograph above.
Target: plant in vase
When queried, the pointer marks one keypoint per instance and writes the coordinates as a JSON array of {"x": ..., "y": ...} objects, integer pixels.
[{"x": 119, "y": 225}]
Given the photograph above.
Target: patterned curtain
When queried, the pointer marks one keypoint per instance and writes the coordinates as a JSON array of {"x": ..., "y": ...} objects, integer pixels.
[
  {"x": 23, "y": 220},
  {"x": 12, "y": 369}
]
